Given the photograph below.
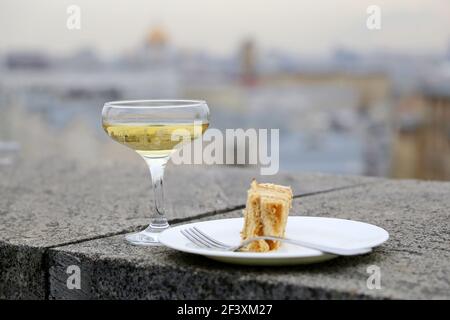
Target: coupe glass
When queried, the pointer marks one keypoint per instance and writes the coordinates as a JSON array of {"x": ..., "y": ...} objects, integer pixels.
[{"x": 154, "y": 129}]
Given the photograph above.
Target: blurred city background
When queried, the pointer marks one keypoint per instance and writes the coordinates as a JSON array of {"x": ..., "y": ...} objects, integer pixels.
[{"x": 346, "y": 99}]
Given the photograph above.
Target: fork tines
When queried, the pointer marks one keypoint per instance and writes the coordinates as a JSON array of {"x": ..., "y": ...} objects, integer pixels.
[{"x": 202, "y": 240}]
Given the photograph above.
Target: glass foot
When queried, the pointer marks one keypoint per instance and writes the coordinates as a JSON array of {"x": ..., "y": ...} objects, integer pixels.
[{"x": 145, "y": 238}]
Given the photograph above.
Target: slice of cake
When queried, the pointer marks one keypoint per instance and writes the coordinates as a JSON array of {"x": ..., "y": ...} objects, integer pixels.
[{"x": 266, "y": 214}]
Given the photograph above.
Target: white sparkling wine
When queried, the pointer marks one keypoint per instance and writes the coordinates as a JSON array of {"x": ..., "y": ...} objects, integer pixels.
[{"x": 154, "y": 139}]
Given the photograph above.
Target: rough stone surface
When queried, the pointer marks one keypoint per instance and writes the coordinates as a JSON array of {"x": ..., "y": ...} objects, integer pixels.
[
  {"x": 54, "y": 203},
  {"x": 414, "y": 263},
  {"x": 22, "y": 272},
  {"x": 44, "y": 204},
  {"x": 121, "y": 272}
]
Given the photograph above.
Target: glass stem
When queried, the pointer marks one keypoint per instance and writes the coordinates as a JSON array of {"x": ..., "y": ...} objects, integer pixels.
[{"x": 158, "y": 222}]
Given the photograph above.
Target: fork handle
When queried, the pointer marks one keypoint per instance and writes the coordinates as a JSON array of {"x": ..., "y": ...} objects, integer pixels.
[{"x": 326, "y": 249}]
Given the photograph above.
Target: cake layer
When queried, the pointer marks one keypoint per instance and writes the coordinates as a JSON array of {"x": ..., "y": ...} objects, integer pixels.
[{"x": 266, "y": 213}]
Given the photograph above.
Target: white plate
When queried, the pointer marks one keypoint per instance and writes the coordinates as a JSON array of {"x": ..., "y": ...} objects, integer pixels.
[{"x": 328, "y": 231}]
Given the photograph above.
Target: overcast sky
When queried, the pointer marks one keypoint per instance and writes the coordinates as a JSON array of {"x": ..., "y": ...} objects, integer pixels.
[{"x": 310, "y": 27}]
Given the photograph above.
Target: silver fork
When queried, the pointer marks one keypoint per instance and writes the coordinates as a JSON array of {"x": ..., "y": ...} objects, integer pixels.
[{"x": 202, "y": 240}]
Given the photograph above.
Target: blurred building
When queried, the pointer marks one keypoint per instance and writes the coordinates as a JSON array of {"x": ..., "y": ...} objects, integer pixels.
[
  {"x": 27, "y": 60},
  {"x": 334, "y": 113},
  {"x": 248, "y": 63},
  {"x": 372, "y": 87},
  {"x": 155, "y": 51},
  {"x": 373, "y": 116},
  {"x": 422, "y": 143}
]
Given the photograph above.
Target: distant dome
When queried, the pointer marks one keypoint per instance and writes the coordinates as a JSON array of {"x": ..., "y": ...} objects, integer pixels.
[{"x": 156, "y": 37}]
